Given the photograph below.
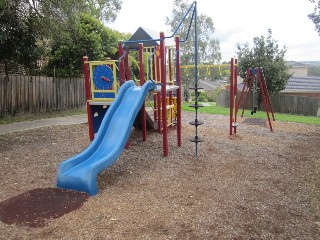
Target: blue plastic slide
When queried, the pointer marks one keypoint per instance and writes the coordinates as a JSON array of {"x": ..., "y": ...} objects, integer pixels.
[{"x": 80, "y": 172}]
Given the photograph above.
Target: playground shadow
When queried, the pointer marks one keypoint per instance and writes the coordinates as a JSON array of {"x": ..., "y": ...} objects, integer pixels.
[{"x": 36, "y": 207}]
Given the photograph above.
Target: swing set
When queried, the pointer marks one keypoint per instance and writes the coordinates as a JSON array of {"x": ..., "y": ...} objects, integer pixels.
[{"x": 254, "y": 83}]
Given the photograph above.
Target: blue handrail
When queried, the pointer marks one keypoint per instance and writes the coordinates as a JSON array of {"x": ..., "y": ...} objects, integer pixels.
[
  {"x": 119, "y": 62},
  {"x": 193, "y": 6},
  {"x": 184, "y": 17}
]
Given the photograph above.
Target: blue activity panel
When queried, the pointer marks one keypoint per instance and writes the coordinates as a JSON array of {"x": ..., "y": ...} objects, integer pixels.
[{"x": 103, "y": 80}]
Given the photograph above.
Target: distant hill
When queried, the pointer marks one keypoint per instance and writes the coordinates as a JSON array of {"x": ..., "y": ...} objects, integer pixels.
[{"x": 310, "y": 63}]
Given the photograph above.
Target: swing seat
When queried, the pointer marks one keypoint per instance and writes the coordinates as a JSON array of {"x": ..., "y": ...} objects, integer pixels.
[{"x": 255, "y": 108}]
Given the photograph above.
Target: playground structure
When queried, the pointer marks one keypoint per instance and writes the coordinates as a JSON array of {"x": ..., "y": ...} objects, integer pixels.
[
  {"x": 254, "y": 82},
  {"x": 100, "y": 93},
  {"x": 163, "y": 68},
  {"x": 112, "y": 113}
]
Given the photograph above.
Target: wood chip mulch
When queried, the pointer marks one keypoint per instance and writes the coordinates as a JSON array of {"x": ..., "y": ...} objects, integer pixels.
[{"x": 256, "y": 185}]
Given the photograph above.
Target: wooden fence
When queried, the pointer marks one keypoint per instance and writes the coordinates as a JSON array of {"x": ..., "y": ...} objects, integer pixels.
[
  {"x": 22, "y": 93},
  {"x": 299, "y": 105}
]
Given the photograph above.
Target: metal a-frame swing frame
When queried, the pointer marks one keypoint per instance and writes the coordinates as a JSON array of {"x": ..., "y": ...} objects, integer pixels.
[
  {"x": 256, "y": 75},
  {"x": 253, "y": 74}
]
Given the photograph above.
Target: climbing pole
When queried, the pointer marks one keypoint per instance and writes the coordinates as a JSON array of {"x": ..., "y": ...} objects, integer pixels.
[{"x": 196, "y": 139}]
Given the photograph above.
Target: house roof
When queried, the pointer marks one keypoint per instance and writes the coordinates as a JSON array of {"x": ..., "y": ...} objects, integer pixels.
[
  {"x": 299, "y": 85},
  {"x": 207, "y": 85},
  {"x": 295, "y": 64},
  {"x": 147, "y": 34},
  {"x": 303, "y": 84}
]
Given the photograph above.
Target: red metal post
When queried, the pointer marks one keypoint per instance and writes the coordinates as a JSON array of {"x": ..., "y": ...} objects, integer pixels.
[
  {"x": 251, "y": 80},
  {"x": 178, "y": 79},
  {"x": 267, "y": 94},
  {"x": 122, "y": 75},
  {"x": 127, "y": 62},
  {"x": 245, "y": 84},
  {"x": 163, "y": 95},
  {"x": 143, "y": 108},
  {"x": 121, "y": 64},
  {"x": 141, "y": 64},
  {"x": 235, "y": 91},
  {"x": 88, "y": 96},
  {"x": 264, "y": 98},
  {"x": 170, "y": 73},
  {"x": 231, "y": 95},
  {"x": 154, "y": 77}
]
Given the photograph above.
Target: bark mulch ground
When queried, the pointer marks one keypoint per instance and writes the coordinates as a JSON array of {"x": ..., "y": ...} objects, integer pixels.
[{"x": 256, "y": 185}]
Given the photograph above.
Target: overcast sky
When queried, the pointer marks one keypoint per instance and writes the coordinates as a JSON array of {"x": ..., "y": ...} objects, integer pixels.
[{"x": 236, "y": 21}]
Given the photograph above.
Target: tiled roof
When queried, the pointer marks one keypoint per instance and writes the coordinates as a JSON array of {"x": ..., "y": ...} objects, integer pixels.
[
  {"x": 207, "y": 85},
  {"x": 303, "y": 84}
]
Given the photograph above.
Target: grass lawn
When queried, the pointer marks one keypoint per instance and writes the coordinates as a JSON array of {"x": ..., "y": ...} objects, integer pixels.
[
  {"x": 211, "y": 109},
  {"x": 214, "y": 109}
]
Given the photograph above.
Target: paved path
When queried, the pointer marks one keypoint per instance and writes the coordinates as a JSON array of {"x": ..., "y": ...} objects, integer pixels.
[{"x": 22, "y": 126}]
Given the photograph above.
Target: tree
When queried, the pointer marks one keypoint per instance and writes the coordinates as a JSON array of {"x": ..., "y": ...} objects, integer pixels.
[
  {"x": 18, "y": 39},
  {"x": 315, "y": 16},
  {"x": 55, "y": 13},
  {"x": 208, "y": 46},
  {"x": 25, "y": 23},
  {"x": 90, "y": 38},
  {"x": 266, "y": 54},
  {"x": 314, "y": 70}
]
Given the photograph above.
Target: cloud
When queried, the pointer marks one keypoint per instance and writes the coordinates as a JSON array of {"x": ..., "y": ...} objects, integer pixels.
[
  {"x": 238, "y": 22},
  {"x": 224, "y": 34}
]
